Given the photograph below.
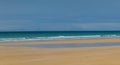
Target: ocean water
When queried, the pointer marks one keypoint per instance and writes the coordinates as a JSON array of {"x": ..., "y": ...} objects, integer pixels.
[{"x": 56, "y": 35}]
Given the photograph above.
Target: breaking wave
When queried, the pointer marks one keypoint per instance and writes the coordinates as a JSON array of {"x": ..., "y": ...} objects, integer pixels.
[{"x": 59, "y": 38}]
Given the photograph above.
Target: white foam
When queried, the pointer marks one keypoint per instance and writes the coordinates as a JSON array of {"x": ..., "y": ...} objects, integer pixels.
[{"x": 59, "y": 38}]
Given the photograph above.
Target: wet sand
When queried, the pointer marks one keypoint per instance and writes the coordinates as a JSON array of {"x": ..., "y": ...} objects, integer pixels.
[
  {"x": 71, "y": 41},
  {"x": 18, "y": 55}
]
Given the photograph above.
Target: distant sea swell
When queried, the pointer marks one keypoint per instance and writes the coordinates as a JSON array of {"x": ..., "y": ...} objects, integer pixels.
[{"x": 56, "y": 35}]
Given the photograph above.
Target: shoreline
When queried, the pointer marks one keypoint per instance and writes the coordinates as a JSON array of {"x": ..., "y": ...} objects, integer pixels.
[
  {"x": 102, "y": 40},
  {"x": 11, "y": 54}
]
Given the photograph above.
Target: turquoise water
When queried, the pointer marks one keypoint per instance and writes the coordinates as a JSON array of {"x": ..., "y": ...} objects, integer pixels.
[{"x": 56, "y": 35}]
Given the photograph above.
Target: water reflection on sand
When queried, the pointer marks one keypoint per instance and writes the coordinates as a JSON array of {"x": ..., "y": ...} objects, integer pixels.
[{"x": 72, "y": 45}]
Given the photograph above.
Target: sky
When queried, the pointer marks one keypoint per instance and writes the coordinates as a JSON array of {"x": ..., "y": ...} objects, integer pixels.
[{"x": 59, "y": 15}]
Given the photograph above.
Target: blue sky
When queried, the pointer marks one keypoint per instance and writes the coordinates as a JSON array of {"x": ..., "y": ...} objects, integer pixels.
[{"x": 49, "y": 15}]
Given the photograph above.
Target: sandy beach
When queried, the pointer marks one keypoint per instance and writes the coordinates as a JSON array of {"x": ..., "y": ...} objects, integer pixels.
[
  {"x": 59, "y": 32},
  {"x": 15, "y": 55}
]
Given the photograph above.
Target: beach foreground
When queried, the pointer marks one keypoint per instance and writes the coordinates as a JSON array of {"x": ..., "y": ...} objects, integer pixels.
[
  {"x": 66, "y": 56},
  {"x": 18, "y": 55}
]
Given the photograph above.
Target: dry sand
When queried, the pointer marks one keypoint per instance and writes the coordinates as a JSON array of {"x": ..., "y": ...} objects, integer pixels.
[
  {"x": 68, "y": 56},
  {"x": 13, "y": 55}
]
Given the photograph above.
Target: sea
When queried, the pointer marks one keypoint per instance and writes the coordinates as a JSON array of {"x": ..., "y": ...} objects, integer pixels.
[{"x": 55, "y": 35}]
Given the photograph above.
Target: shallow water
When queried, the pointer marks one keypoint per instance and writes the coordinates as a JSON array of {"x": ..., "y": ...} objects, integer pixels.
[
  {"x": 70, "y": 45},
  {"x": 55, "y": 35}
]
